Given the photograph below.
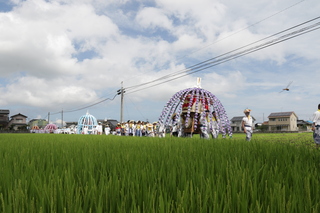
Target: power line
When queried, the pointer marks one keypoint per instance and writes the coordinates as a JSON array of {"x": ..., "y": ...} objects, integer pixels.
[
  {"x": 238, "y": 31},
  {"x": 206, "y": 61},
  {"x": 251, "y": 25},
  {"x": 91, "y": 104},
  {"x": 218, "y": 60},
  {"x": 213, "y": 61}
]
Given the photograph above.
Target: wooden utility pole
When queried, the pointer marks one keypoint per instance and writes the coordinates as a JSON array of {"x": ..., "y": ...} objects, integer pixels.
[
  {"x": 61, "y": 118},
  {"x": 121, "y": 110}
]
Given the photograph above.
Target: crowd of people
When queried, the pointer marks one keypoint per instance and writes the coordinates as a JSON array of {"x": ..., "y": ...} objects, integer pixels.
[
  {"x": 208, "y": 129},
  {"x": 138, "y": 128}
]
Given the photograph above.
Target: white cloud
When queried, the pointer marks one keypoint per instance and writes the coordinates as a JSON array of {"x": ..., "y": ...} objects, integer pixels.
[
  {"x": 136, "y": 42},
  {"x": 150, "y": 17}
]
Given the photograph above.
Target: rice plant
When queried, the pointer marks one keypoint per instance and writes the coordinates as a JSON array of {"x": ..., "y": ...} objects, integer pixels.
[{"x": 92, "y": 173}]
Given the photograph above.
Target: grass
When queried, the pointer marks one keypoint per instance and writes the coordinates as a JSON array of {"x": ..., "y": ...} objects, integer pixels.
[{"x": 90, "y": 173}]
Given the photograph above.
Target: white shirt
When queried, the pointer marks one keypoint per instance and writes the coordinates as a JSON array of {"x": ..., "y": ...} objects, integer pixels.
[
  {"x": 99, "y": 128},
  {"x": 247, "y": 121},
  {"x": 316, "y": 117},
  {"x": 107, "y": 130}
]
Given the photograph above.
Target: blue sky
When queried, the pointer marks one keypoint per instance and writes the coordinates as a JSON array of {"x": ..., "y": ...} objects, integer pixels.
[{"x": 67, "y": 54}]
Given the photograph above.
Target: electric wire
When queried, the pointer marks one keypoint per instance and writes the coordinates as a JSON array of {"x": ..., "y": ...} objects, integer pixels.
[
  {"x": 209, "y": 63},
  {"x": 238, "y": 31},
  {"x": 91, "y": 104},
  {"x": 241, "y": 29},
  {"x": 212, "y": 62}
]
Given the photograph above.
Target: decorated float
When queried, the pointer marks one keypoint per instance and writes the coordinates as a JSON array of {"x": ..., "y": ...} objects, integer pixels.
[
  {"x": 87, "y": 124},
  {"x": 187, "y": 106},
  {"x": 50, "y": 128}
]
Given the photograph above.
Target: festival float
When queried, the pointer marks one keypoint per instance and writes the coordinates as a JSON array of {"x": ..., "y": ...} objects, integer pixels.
[
  {"x": 188, "y": 105},
  {"x": 35, "y": 129},
  {"x": 86, "y": 124},
  {"x": 50, "y": 128}
]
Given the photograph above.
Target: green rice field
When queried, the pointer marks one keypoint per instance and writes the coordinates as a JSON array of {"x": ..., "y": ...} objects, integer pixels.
[{"x": 99, "y": 173}]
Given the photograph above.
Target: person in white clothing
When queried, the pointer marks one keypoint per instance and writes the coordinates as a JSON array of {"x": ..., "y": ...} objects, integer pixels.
[
  {"x": 99, "y": 128},
  {"x": 316, "y": 127},
  {"x": 85, "y": 130},
  {"x": 150, "y": 131},
  {"x": 247, "y": 124},
  {"x": 107, "y": 130},
  {"x": 204, "y": 125},
  {"x": 174, "y": 126},
  {"x": 161, "y": 130},
  {"x": 214, "y": 126}
]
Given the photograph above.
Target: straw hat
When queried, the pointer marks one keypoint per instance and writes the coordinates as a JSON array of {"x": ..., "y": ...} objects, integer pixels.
[{"x": 247, "y": 110}]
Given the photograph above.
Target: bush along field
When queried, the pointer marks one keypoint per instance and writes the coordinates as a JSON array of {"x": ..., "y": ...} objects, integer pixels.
[{"x": 98, "y": 173}]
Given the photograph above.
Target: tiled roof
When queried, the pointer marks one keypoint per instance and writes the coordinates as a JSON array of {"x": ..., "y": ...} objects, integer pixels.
[
  {"x": 19, "y": 114},
  {"x": 280, "y": 114},
  {"x": 239, "y": 118},
  {"x": 4, "y": 111}
]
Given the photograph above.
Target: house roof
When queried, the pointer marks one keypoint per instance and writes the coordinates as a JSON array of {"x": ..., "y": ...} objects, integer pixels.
[
  {"x": 113, "y": 122},
  {"x": 4, "y": 111},
  {"x": 281, "y": 114},
  {"x": 302, "y": 122},
  {"x": 37, "y": 119},
  {"x": 239, "y": 118},
  {"x": 19, "y": 114}
]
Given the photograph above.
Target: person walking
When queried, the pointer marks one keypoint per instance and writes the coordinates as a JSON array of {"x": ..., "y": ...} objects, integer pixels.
[
  {"x": 107, "y": 130},
  {"x": 316, "y": 127},
  {"x": 99, "y": 128},
  {"x": 214, "y": 126},
  {"x": 204, "y": 125},
  {"x": 247, "y": 123},
  {"x": 138, "y": 129},
  {"x": 174, "y": 126}
]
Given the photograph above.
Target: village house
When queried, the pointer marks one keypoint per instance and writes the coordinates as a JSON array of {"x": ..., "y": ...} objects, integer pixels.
[
  {"x": 41, "y": 123},
  {"x": 304, "y": 125},
  {"x": 17, "y": 122},
  {"x": 4, "y": 118},
  {"x": 283, "y": 121}
]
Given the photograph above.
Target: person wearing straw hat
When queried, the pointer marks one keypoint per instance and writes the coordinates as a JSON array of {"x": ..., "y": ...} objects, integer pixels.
[
  {"x": 316, "y": 127},
  {"x": 247, "y": 123},
  {"x": 214, "y": 125},
  {"x": 150, "y": 131},
  {"x": 99, "y": 128},
  {"x": 132, "y": 128},
  {"x": 138, "y": 130},
  {"x": 174, "y": 126},
  {"x": 107, "y": 130}
]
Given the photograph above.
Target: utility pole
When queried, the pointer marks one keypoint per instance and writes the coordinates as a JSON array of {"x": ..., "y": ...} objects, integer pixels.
[
  {"x": 61, "y": 118},
  {"x": 48, "y": 117},
  {"x": 121, "y": 92}
]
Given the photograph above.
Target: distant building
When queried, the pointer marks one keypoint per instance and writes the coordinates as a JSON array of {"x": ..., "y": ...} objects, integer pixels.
[
  {"x": 17, "y": 122},
  {"x": 304, "y": 125},
  {"x": 112, "y": 123},
  {"x": 71, "y": 123},
  {"x": 4, "y": 118},
  {"x": 236, "y": 123},
  {"x": 41, "y": 123},
  {"x": 283, "y": 121}
]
